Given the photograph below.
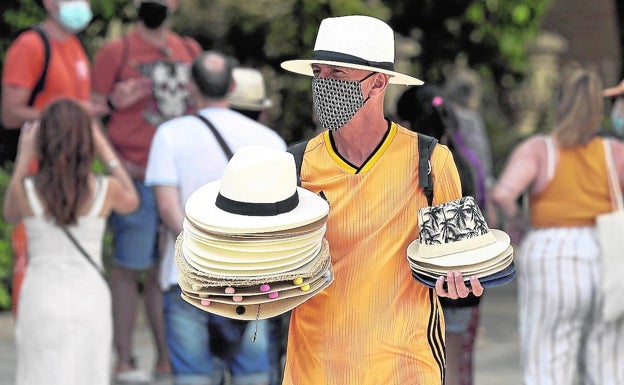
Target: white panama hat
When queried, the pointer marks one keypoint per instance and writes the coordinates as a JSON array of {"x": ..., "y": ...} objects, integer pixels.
[
  {"x": 360, "y": 42},
  {"x": 257, "y": 194},
  {"x": 250, "y": 92}
]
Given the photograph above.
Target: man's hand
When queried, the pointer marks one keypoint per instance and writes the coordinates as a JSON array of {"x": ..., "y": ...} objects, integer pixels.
[
  {"x": 128, "y": 92},
  {"x": 456, "y": 287}
]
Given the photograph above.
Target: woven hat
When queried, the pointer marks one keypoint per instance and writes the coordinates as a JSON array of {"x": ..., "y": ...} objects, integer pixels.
[
  {"x": 250, "y": 92},
  {"x": 499, "y": 278},
  {"x": 360, "y": 42},
  {"x": 253, "y": 244},
  {"x": 455, "y": 233},
  {"x": 258, "y": 193}
]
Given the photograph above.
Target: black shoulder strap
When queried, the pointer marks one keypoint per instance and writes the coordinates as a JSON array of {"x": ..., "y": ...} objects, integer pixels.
[
  {"x": 426, "y": 144},
  {"x": 297, "y": 150},
  {"x": 226, "y": 149},
  {"x": 46, "y": 61}
]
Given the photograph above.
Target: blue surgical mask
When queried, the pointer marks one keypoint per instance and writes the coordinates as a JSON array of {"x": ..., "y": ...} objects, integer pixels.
[{"x": 75, "y": 15}]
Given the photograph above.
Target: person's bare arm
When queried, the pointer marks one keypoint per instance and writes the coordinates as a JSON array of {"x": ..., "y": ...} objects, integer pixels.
[
  {"x": 519, "y": 174},
  {"x": 15, "y": 109},
  {"x": 169, "y": 208},
  {"x": 122, "y": 195}
]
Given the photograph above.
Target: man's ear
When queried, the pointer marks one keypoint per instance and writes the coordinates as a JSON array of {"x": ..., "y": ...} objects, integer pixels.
[{"x": 380, "y": 83}]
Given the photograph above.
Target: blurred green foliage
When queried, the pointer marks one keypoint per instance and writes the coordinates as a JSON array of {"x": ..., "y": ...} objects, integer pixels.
[{"x": 490, "y": 36}]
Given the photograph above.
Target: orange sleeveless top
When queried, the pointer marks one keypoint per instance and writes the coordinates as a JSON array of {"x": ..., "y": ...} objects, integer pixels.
[{"x": 578, "y": 190}]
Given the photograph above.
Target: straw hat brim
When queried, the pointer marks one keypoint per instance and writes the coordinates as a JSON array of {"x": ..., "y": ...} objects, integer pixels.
[
  {"x": 201, "y": 209},
  {"x": 240, "y": 104},
  {"x": 496, "y": 279},
  {"x": 199, "y": 279},
  {"x": 450, "y": 257},
  {"x": 304, "y": 67},
  {"x": 480, "y": 270},
  {"x": 251, "y": 268},
  {"x": 259, "y": 311}
]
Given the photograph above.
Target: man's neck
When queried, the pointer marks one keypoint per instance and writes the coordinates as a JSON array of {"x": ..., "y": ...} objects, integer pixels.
[
  {"x": 156, "y": 36},
  {"x": 357, "y": 140},
  {"x": 54, "y": 30},
  {"x": 201, "y": 104}
]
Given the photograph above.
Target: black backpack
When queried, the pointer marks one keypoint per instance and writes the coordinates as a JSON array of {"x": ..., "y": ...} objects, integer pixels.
[
  {"x": 426, "y": 144},
  {"x": 10, "y": 137}
]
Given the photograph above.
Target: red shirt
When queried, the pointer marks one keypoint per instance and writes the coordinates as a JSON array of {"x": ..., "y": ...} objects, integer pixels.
[{"x": 131, "y": 129}]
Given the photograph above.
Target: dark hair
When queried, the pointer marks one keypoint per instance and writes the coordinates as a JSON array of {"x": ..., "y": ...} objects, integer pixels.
[
  {"x": 66, "y": 153},
  {"x": 428, "y": 113},
  {"x": 212, "y": 73},
  {"x": 251, "y": 114}
]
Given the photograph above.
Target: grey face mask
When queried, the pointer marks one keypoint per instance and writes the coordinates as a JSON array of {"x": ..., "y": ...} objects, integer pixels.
[{"x": 337, "y": 101}]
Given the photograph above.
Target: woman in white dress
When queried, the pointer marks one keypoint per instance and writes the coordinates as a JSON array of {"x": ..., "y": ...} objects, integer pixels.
[{"x": 64, "y": 319}]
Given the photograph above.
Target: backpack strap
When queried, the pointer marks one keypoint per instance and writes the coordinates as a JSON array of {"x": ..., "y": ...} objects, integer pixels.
[
  {"x": 426, "y": 144},
  {"x": 46, "y": 62},
  {"x": 125, "y": 49},
  {"x": 47, "y": 51},
  {"x": 297, "y": 151},
  {"x": 226, "y": 149}
]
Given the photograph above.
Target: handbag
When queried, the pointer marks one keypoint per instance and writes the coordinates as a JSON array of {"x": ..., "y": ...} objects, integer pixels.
[{"x": 609, "y": 228}]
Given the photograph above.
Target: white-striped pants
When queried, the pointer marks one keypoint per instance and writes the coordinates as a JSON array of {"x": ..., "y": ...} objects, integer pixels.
[{"x": 562, "y": 338}]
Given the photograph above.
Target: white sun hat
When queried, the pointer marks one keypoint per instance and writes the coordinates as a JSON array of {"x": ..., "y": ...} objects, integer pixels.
[
  {"x": 257, "y": 194},
  {"x": 250, "y": 92},
  {"x": 360, "y": 42}
]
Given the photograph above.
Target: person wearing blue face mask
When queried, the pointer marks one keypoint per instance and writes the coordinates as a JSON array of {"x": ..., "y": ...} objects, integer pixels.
[
  {"x": 142, "y": 81},
  {"x": 67, "y": 75}
]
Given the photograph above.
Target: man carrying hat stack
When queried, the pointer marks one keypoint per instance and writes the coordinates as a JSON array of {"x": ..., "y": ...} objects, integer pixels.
[{"x": 374, "y": 324}]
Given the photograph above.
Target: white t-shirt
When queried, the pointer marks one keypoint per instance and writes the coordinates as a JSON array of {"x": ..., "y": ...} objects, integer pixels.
[{"x": 184, "y": 153}]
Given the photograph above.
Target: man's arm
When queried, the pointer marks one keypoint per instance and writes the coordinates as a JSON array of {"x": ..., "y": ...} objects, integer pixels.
[
  {"x": 15, "y": 109},
  {"x": 169, "y": 207}
]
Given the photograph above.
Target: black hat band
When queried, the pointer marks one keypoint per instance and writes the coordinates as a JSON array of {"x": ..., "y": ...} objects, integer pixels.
[{"x": 257, "y": 209}]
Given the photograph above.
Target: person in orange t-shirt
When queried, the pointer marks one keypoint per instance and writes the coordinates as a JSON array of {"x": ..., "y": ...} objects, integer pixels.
[{"x": 68, "y": 71}]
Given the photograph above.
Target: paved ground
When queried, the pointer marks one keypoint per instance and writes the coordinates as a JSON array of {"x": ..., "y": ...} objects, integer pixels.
[{"x": 496, "y": 352}]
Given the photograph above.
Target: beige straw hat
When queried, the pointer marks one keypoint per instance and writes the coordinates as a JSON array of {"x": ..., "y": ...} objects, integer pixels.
[
  {"x": 360, "y": 42},
  {"x": 250, "y": 92}
]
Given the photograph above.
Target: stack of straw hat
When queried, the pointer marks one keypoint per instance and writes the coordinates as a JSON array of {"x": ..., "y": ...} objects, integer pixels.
[
  {"x": 252, "y": 245},
  {"x": 454, "y": 236}
]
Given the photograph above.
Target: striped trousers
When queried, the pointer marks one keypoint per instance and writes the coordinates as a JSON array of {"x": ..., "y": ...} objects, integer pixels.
[{"x": 563, "y": 340}]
